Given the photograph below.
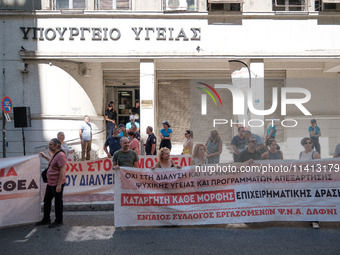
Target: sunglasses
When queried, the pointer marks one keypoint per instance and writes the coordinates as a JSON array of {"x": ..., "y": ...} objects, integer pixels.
[
  {"x": 308, "y": 143},
  {"x": 253, "y": 141}
]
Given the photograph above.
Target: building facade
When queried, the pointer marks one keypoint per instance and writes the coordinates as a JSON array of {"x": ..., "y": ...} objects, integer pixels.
[{"x": 67, "y": 59}]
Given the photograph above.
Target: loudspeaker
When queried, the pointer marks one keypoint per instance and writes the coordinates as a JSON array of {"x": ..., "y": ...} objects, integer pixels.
[{"x": 22, "y": 117}]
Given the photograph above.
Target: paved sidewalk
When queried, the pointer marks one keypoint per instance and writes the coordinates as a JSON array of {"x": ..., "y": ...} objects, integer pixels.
[{"x": 94, "y": 233}]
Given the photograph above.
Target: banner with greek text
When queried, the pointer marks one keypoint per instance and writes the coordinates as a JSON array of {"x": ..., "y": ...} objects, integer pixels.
[
  {"x": 19, "y": 190},
  {"x": 97, "y": 176},
  {"x": 229, "y": 193}
]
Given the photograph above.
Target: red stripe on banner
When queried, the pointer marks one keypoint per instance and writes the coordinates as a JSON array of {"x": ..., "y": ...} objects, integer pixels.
[
  {"x": 208, "y": 197},
  {"x": 19, "y": 195}
]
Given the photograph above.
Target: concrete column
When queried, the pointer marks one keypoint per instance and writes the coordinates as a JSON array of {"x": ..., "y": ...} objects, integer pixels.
[
  {"x": 147, "y": 95},
  {"x": 257, "y": 86}
]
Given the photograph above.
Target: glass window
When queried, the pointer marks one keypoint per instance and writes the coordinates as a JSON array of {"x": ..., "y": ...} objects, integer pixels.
[
  {"x": 290, "y": 5},
  {"x": 113, "y": 5},
  {"x": 69, "y": 4},
  {"x": 180, "y": 5}
]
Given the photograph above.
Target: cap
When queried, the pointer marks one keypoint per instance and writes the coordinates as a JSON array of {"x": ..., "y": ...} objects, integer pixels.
[
  {"x": 165, "y": 123},
  {"x": 313, "y": 121},
  {"x": 132, "y": 117},
  {"x": 121, "y": 125},
  {"x": 305, "y": 139}
]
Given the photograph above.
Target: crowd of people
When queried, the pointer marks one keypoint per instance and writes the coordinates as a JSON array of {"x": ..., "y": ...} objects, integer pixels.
[{"x": 124, "y": 149}]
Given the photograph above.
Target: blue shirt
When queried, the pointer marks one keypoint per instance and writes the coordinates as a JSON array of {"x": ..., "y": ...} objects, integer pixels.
[
  {"x": 272, "y": 127},
  {"x": 166, "y": 133},
  {"x": 317, "y": 131},
  {"x": 86, "y": 129},
  {"x": 128, "y": 126},
  {"x": 113, "y": 143}
]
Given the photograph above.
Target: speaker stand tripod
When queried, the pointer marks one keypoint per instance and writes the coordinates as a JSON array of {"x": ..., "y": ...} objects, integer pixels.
[{"x": 23, "y": 140}]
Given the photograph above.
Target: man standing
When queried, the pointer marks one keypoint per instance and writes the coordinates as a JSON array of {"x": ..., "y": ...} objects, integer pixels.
[
  {"x": 113, "y": 142},
  {"x": 260, "y": 146},
  {"x": 124, "y": 156},
  {"x": 238, "y": 142},
  {"x": 85, "y": 134},
  {"x": 111, "y": 118},
  {"x": 56, "y": 178},
  {"x": 150, "y": 145},
  {"x": 250, "y": 154},
  {"x": 134, "y": 130}
]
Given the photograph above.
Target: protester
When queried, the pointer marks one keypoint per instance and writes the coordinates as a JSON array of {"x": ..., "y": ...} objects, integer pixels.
[
  {"x": 111, "y": 119},
  {"x": 260, "y": 146},
  {"x": 124, "y": 156},
  {"x": 85, "y": 134},
  {"x": 315, "y": 133},
  {"x": 134, "y": 143},
  {"x": 150, "y": 145},
  {"x": 239, "y": 143},
  {"x": 113, "y": 142},
  {"x": 199, "y": 155},
  {"x": 164, "y": 160},
  {"x": 134, "y": 130},
  {"x": 56, "y": 178},
  {"x": 272, "y": 153},
  {"x": 337, "y": 151},
  {"x": 132, "y": 122},
  {"x": 306, "y": 155},
  {"x": 214, "y": 147},
  {"x": 123, "y": 132},
  {"x": 64, "y": 145},
  {"x": 270, "y": 131},
  {"x": 250, "y": 153},
  {"x": 166, "y": 135},
  {"x": 188, "y": 145}
]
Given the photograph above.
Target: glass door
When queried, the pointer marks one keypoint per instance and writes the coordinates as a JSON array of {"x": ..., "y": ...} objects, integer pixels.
[{"x": 126, "y": 100}]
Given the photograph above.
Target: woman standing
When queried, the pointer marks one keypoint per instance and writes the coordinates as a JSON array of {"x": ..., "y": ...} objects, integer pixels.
[
  {"x": 166, "y": 134},
  {"x": 214, "y": 147},
  {"x": 64, "y": 145},
  {"x": 199, "y": 155},
  {"x": 134, "y": 143},
  {"x": 164, "y": 160},
  {"x": 273, "y": 153},
  {"x": 315, "y": 133},
  {"x": 306, "y": 155},
  {"x": 187, "y": 146}
]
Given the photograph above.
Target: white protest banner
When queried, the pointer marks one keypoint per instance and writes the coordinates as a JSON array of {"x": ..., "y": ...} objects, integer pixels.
[
  {"x": 97, "y": 176},
  {"x": 19, "y": 190},
  {"x": 228, "y": 193}
]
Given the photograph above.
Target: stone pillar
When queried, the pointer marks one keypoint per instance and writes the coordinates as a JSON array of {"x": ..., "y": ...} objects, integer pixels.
[
  {"x": 257, "y": 86},
  {"x": 147, "y": 95}
]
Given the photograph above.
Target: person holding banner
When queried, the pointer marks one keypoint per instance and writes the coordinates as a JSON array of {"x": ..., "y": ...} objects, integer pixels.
[
  {"x": 273, "y": 153},
  {"x": 56, "y": 178},
  {"x": 199, "y": 155},
  {"x": 306, "y": 155},
  {"x": 164, "y": 160},
  {"x": 250, "y": 154},
  {"x": 124, "y": 156}
]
